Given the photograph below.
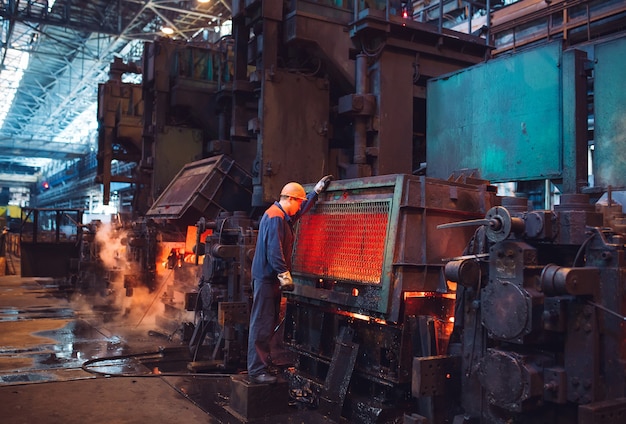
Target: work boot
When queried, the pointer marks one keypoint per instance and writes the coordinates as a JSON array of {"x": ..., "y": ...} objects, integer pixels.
[{"x": 264, "y": 378}]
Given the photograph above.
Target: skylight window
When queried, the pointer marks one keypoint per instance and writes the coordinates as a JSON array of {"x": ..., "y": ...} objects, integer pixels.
[
  {"x": 10, "y": 76},
  {"x": 83, "y": 128}
]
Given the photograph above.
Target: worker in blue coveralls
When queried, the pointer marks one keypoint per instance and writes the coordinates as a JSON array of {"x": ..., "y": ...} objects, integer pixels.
[{"x": 271, "y": 274}]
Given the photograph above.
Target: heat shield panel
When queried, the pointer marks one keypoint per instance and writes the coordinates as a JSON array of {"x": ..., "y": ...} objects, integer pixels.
[
  {"x": 368, "y": 241},
  {"x": 203, "y": 189}
]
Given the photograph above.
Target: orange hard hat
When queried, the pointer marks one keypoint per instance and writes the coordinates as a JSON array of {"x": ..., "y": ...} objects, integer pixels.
[{"x": 294, "y": 190}]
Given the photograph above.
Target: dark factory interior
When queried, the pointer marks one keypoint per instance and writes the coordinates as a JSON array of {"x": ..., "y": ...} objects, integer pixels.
[{"x": 465, "y": 263}]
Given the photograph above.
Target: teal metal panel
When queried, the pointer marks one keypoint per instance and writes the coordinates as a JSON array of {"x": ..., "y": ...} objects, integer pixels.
[
  {"x": 501, "y": 117},
  {"x": 610, "y": 114}
]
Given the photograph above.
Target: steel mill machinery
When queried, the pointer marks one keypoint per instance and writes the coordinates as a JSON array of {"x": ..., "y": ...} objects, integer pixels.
[
  {"x": 208, "y": 295},
  {"x": 420, "y": 295},
  {"x": 370, "y": 294},
  {"x": 241, "y": 99},
  {"x": 539, "y": 325}
]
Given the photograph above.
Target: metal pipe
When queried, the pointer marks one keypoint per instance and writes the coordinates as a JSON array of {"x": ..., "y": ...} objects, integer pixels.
[
  {"x": 360, "y": 140},
  {"x": 361, "y": 74},
  {"x": 440, "y": 16},
  {"x": 360, "y": 123},
  {"x": 488, "y": 35}
]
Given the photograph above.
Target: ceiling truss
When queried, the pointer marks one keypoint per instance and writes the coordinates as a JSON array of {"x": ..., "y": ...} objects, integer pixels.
[{"x": 71, "y": 46}]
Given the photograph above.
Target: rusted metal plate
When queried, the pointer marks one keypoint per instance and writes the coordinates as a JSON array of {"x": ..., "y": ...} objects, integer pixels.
[
  {"x": 203, "y": 189},
  {"x": 173, "y": 148},
  {"x": 339, "y": 375},
  {"x": 605, "y": 412},
  {"x": 251, "y": 401},
  {"x": 435, "y": 375},
  {"x": 294, "y": 138}
]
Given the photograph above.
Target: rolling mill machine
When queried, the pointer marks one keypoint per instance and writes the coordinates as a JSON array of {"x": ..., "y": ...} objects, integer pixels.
[
  {"x": 421, "y": 296},
  {"x": 540, "y": 325}
]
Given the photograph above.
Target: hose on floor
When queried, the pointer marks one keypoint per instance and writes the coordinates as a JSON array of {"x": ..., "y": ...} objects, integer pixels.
[{"x": 156, "y": 354}]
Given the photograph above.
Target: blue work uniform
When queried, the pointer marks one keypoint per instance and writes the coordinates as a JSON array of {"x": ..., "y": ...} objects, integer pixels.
[{"x": 272, "y": 256}]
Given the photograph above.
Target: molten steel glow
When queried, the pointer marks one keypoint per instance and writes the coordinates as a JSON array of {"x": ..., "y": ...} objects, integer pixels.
[
  {"x": 408, "y": 295},
  {"x": 343, "y": 241},
  {"x": 362, "y": 317}
]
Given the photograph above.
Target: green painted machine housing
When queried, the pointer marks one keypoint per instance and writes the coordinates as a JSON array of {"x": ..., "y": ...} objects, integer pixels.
[
  {"x": 531, "y": 116},
  {"x": 502, "y": 117},
  {"x": 370, "y": 241},
  {"x": 609, "y": 164}
]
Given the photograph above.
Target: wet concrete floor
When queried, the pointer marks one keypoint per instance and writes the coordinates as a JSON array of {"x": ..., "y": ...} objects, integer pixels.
[{"x": 64, "y": 362}]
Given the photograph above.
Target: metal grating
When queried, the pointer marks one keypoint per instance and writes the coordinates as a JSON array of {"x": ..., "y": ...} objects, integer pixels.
[{"x": 343, "y": 241}]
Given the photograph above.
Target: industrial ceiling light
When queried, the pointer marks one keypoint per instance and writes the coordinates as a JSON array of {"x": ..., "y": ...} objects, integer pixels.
[
  {"x": 167, "y": 30},
  {"x": 203, "y": 1}
]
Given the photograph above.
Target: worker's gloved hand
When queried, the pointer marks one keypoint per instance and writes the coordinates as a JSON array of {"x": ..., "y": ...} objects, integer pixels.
[
  {"x": 323, "y": 184},
  {"x": 286, "y": 282}
]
